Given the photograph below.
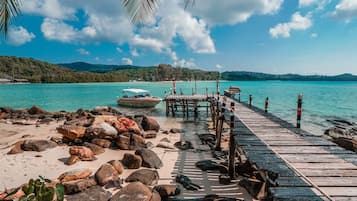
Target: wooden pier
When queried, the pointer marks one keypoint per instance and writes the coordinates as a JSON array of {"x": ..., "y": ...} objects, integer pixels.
[
  {"x": 187, "y": 103},
  {"x": 309, "y": 167}
]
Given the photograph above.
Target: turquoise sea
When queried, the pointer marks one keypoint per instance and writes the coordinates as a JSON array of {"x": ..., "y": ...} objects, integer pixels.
[{"x": 321, "y": 100}]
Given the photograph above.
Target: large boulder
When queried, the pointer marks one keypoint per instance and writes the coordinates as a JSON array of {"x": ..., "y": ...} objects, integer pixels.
[
  {"x": 94, "y": 193},
  {"x": 102, "y": 142},
  {"x": 37, "y": 145},
  {"x": 167, "y": 190},
  {"x": 102, "y": 131},
  {"x": 149, "y": 123},
  {"x": 136, "y": 192},
  {"x": 131, "y": 161},
  {"x": 80, "y": 153},
  {"x": 149, "y": 134},
  {"x": 105, "y": 174},
  {"x": 72, "y": 132},
  {"x": 127, "y": 125},
  {"x": 145, "y": 176},
  {"x": 150, "y": 158},
  {"x": 36, "y": 110},
  {"x": 75, "y": 175},
  {"x": 130, "y": 141},
  {"x": 95, "y": 148},
  {"x": 72, "y": 187}
]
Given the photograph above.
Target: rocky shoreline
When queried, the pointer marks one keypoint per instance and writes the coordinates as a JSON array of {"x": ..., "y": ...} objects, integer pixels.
[{"x": 343, "y": 133}]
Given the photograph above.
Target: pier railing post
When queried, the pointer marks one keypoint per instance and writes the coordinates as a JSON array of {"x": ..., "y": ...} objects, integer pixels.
[
  {"x": 239, "y": 97},
  {"x": 299, "y": 111},
  {"x": 250, "y": 100},
  {"x": 219, "y": 128},
  {"x": 266, "y": 105},
  {"x": 232, "y": 146}
]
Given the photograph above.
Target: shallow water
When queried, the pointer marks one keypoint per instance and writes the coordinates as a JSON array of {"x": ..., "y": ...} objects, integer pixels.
[{"x": 322, "y": 100}]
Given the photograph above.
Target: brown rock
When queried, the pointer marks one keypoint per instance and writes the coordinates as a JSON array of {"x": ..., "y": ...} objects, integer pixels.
[
  {"x": 105, "y": 174},
  {"x": 80, "y": 153},
  {"x": 129, "y": 141},
  {"x": 37, "y": 145},
  {"x": 167, "y": 190},
  {"x": 127, "y": 125},
  {"x": 150, "y": 158},
  {"x": 149, "y": 123},
  {"x": 136, "y": 192},
  {"x": 102, "y": 131},
  {"x": 75, "y": 175},
  {"x": 94, "y": 193},
  {"x": 117, "y": 165},
  {"x": 36, "y": 110},
  {"x": 3, "y": 115},
  {"x": 132, "y": 161},
  {"x": 72, "y": 187},
  {"x": 145, "y": 176},
  {"x": 17, "y": 148},
  {"x": 71, "y": 132},
  {"x": 102, "y": 142},
  {"x": 95, "y": 148}
]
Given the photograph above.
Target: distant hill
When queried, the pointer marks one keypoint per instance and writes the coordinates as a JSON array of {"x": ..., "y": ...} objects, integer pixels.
[
  {"x": 100, "y": 68},
  {"x": 253, "y": 76}
]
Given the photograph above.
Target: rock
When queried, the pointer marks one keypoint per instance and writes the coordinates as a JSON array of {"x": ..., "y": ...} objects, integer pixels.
[
  {"x": 94, "y": 193},
  {"x": 117, "y": 165},
  {"x": 106, "y": 173},
  {"x": 79, "y": 122},
  {"x": 149, "y": 123},
  {"x": 131, "y": 161},
  {"x": 150, "y": 158},
  {"x": 167, "y": 190},
  {"x": 95, "y": 148},
  {"x": 145, "y": 176},
  {"x": 224, "y": 179},
  {"x": 57, "y": 140},
  {"x": 36, "y": 110},
  {"x": 176, "y": 130},
  {"x": 130, "y": 141},
  {"x": 207, "y": 165},
  {"x": 17, "y": 148},
  {"x": 347, "y": 143},
  {"x": 149, "y": 145},
  {"x": 3, "y": 115},
  {"x": 5, "y": 110},
  {"x": 127, "y": 125},
  {"x": 46, "y": 120},
  {"x": 102, "y": 142},
  {"x": 102, "y": 131},
  {"x": 72, "y": 187},
  {"x": 80, "y": 153},
  {"x": 37, "y": 145},
  {"x": 149, "y": 134},
  {"x": 183, "y": 145},
  {"x": 165, "y": 132},
  {"x": 75, "y": 175},
  {"x": 136, "y": 192},
  {"x": 165, "y": 139},
  {"x": 101, "y": 109},
  {"x": 165, "y": 145},
  {"x": 71, "y": 132}
]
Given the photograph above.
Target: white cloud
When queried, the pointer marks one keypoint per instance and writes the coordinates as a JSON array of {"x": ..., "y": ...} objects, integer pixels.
[
  {"x": 97, "y": 58},
  {"x": 135, "y": 53},
  {"x": 346, "y": 10},
  {"x": 185, "y": 63},
  {"x": 48, "y": 8},
  {"x": 297, "y": 22},
  {"x": 19, "y": 36},
  {"x": 83, "y": 51},
  {"x": 319, "y": 3},
  {"x": 127, "y": 61},
  {"x": 304, "y": 3},
  {"x": 233, "y": 11},
  {"x": 219, "y": 66},
  {"x": 314, "y": 35}
]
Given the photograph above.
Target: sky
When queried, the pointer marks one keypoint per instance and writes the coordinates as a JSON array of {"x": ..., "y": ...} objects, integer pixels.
[{"x": 272, "y": 36}]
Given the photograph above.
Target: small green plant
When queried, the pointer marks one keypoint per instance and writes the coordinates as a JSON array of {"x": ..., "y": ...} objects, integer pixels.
[{"x": 40, "y": 190}]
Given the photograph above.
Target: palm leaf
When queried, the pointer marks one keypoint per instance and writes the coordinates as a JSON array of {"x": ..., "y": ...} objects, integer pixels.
[{"x": 8, "y": 9}]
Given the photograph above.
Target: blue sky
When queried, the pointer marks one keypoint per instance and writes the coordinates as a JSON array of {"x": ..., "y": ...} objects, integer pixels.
[{"x": 274, "y": 36}]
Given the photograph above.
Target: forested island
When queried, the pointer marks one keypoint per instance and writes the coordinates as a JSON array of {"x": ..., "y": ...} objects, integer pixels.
[{"x": 35, "y": 71}]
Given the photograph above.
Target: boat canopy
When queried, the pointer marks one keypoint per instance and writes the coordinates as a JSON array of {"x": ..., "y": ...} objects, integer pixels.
[{"x": 136, "y": 91}]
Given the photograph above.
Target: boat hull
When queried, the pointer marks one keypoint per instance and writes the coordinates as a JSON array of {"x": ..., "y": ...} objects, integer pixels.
[{"x": 139, "y": 102}]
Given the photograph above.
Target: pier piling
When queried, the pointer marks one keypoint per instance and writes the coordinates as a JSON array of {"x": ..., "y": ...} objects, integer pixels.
[
  {"x": 299, "y": 111},
  {"x": 232, "y": 146}
]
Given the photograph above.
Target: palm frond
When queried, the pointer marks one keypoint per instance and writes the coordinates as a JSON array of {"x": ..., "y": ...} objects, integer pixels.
[
  {"x": 8, "y": 10},
  {"x": 141, "y": 11}
]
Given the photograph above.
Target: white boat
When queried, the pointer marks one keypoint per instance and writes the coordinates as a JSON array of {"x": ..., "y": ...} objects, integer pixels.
[{"x": 138, "y": 98}]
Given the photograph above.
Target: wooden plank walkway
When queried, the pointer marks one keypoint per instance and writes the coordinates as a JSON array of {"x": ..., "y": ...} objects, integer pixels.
[{"x": 310, "y": 167}]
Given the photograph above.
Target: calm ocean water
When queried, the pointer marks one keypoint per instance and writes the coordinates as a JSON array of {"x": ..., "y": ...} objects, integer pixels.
[{"x": 322, "y": 100}]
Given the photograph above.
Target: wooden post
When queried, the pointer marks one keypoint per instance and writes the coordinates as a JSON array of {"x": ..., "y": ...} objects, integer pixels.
[
  {"x": 250, "y": 100},
  {"x": 213, "y": 114},
  {"x": 195, "y": 109},
  {"x": 266, "y": 105},
  {"x": 167, "y": 107},
  {"x": 181, "y": 92},
  {"x": 239, "y": 97},
  {"x": 193, "y": 93},
  {"x": 174, "y": 86},
  {"x": 219, "y": 129},
  {"x": 232, "y": 146},
  {"x": 217, "y": 87},
  {"x": 187, "y": 108},
  {"x": 299, "y": 111},
  {"x": 172, "y": 108},
  {"x": 206, "y": 92}
]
